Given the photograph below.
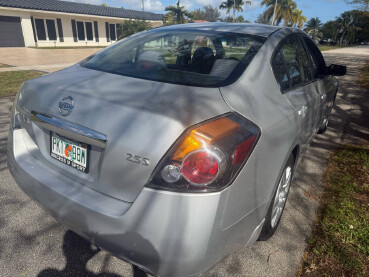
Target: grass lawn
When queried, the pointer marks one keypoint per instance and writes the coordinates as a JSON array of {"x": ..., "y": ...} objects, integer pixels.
[
  {"x": 10, "y": 81},
  {"x": 364, "y": 76},
  {"x": 339, "y": 244}
]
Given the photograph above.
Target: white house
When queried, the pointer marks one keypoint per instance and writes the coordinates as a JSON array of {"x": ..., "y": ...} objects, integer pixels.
[{"x": 38, "y": 23}]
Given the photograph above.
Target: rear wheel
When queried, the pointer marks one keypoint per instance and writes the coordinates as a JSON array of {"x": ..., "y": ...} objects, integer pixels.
[
  {"x": 278, "y": 203},
  {"x": 324, "y": 126}
]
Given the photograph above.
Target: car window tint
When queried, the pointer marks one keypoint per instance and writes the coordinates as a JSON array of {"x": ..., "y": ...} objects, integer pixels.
[
  {"x": 314, "y": 65},
  {"x": 203, "y": 41},
  {"x": 302, "y": 59},
  {"x": 281, "y": 72},
  {"x": 194, "y": 58},
  {"x": 234, "y": 49},
  {"x": 294, "y": 70},
  {"x": 316, "y": 55}
]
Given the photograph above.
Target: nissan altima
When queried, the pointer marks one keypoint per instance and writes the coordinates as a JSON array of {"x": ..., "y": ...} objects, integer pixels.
[{"x": 176, "y": 146}]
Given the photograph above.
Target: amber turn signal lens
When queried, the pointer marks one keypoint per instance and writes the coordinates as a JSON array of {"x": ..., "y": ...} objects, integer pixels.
[{"x": 205, "y": 135}]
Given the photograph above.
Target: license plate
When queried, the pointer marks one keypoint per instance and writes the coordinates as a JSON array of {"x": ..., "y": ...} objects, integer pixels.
[{"x": 69, "y": 152}]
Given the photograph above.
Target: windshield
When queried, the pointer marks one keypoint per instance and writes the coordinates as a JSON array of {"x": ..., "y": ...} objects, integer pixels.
[{"x": 195, "y": 58}]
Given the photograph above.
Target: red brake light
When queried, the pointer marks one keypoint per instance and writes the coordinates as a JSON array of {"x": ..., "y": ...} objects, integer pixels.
[
  {"x": 243, "y": 150},
  {"x": 200, "y": 167}
]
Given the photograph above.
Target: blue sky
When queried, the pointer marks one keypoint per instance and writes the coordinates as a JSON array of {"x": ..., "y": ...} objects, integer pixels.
[{"x": 324, "y": 9}]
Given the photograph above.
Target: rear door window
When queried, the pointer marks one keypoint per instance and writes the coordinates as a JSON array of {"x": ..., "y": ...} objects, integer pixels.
[
  {"x": 302, "y": 59},
  {"x": 316, "y": 57},
  {"x": 291, "y": 64},
  {"x": 281, "y": 71}
]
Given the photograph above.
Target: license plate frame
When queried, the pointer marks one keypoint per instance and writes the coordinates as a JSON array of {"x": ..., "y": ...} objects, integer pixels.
[{"x": 70, "y": 161}]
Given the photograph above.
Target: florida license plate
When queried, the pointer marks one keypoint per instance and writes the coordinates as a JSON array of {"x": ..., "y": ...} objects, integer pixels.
[{"x": 69, "y": 152}]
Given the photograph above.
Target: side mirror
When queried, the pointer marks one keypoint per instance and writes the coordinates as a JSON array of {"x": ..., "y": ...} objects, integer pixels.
[{"x": 336, "y": 70}]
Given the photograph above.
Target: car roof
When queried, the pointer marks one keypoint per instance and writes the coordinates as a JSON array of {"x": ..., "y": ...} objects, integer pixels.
[{"x": 243, "y": 28}]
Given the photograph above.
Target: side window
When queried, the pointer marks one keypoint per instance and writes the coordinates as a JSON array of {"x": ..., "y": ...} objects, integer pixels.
[
  {"x": 302, "y": 59},
  {"x": 291, "y": 64},
  {"x": 294, "y": 71},
  {"x": 316, "y": 56},
  {"x": 314, "y": 65},
  {"x": 280, "y": 71}
]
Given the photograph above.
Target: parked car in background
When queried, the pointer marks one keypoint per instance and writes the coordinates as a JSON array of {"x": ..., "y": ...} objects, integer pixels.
[
  {"x": 177, "y": 146},
  {"x": 327, "y": 42}
]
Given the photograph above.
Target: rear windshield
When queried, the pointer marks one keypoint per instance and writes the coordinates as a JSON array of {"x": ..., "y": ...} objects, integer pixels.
[{"x": 181, "y": 57}]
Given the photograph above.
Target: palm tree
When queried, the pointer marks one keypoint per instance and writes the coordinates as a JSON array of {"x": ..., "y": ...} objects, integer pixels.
[
  {"x": 312, "y": 27},
  {"x": 286, "y": 11},
  {"x": 346, "y": 23},
  {"x": 281, "y": 10},
  {"x": 298, "y": 19},
  {"x": 313, "y": 23},
  {"x": 234, "y": 5},
  {"x": 238, "y": 6},
  {"x": 178, "y": 12},
  {"x": 228, "y": 4},
  {"x": 262, "y": 19}
]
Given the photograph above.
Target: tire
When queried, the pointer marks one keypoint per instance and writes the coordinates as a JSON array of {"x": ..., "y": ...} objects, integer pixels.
[
  {"x": 278, "y": 202},
  {"x": 324, "y": 128}
]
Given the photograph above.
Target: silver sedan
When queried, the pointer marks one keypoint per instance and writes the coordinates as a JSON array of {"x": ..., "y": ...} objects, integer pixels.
[{"x": 177, "y": 146}]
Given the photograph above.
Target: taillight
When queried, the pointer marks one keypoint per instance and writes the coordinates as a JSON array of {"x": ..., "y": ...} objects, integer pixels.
[{"x": 208, "y": 156}]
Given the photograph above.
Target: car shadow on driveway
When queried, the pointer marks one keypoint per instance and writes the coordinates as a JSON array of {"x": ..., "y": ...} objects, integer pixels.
[{"x": 78, "y": 252}]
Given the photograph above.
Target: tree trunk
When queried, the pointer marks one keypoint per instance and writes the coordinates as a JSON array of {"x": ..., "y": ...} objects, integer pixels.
[{"x": 275, "y": 10}]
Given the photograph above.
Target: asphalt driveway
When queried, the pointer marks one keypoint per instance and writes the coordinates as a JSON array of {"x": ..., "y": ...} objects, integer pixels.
[
  {"x": 47, "y": 60},
  {"x": 33, "y": 244}
]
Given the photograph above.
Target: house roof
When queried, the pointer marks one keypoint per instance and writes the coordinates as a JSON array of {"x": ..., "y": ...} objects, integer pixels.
[{"x": 79, "y": 8}]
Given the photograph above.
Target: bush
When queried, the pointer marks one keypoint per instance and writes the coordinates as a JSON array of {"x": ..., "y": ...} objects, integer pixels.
[{"x": 130, "y": 27}]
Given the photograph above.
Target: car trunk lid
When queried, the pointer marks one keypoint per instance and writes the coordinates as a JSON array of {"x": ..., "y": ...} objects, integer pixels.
[{"x": 140, "y": 120}]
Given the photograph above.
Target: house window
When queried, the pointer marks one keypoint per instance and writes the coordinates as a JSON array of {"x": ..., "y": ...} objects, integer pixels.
[
  {"x": 81, "y": 30},
  {"x": 85, "y": 31},
  {"x": 113, "y": 32},
  {"x": 119, "y": 30},
  {"x": 45, "y": 29},
  {"x": 40, "y": 27},
  {"x": 51, "y": 31},
  {"x": 89, "y": 32}
]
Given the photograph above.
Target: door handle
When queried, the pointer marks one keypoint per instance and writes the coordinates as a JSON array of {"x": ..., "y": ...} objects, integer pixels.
[{"x": 302, "y": 111}]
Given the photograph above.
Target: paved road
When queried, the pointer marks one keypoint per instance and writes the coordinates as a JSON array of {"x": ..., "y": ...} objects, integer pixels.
[{"x": 34, "y": 244}]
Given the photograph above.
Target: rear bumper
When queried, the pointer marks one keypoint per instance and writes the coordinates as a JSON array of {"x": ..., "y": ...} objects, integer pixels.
[{"x": 165, "y": 233}]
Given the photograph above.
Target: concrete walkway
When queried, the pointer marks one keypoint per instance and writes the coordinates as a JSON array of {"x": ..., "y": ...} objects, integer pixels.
[
  {"x": 32, "y": 243},
  {"x": 47, "y": 60},
  {"x": 41, "y": 67}
]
